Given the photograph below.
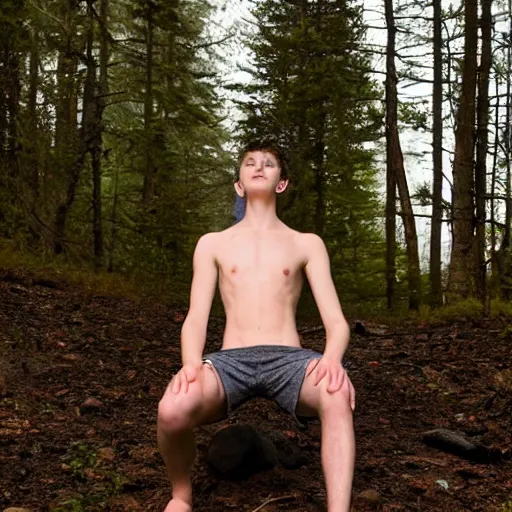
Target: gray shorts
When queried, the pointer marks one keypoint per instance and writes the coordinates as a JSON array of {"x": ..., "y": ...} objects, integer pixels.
[{"x": 275, "y": 372}]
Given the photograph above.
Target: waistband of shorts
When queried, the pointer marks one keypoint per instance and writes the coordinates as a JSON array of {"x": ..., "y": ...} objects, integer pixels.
[{"x": 270, "y": 347}]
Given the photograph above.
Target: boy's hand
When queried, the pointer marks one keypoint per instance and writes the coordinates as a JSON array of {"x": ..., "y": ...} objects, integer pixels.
[
  {"x": 188, "y": 373},
  {"x": 336, "y": 377}
]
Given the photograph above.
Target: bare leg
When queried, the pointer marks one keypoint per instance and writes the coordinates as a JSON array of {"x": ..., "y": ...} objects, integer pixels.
[
  {"x": 178, "y": 414},
  {"x": 178, "y": 450},
  {"x": 338, "y": 440},
  {"x": 338, "y": 454}
]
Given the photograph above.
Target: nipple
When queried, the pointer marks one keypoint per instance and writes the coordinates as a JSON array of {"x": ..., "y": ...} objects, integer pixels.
[
  {"x": 286, "y": 272},
  {"x": 233, "y": 270}
]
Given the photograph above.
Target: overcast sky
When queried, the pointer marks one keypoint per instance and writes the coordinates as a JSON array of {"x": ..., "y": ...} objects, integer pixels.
[{"x": 416, "y": 145}]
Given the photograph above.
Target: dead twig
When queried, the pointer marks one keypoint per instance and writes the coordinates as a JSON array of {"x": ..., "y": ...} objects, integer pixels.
[{"x": 272, "y": 500}]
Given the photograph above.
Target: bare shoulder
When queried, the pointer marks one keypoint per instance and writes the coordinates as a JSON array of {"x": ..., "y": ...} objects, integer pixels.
[
  {"x": 311, "y": 244},
  {"x": 207, "y": 241},
  {"x": 310, "y": 239},
  {"x": 206, "y": 246}
]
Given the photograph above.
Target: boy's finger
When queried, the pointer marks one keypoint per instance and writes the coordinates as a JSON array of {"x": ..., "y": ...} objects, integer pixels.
[
  {"x": 190, "y": 374},
  {"x": 342, "y": 376},
  {"x": 176, "y": 384},
  {"x": 335, "y": 384},
  {"x": 320, "y": 374},
  {"x": 352, "y": 397}
]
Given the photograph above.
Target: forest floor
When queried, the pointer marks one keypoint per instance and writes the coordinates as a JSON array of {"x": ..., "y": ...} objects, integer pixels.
[{"x": 81, "y": 376}]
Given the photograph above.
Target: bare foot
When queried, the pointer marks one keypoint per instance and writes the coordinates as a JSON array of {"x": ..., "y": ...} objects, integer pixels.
[{"x": 177, "y": 505}]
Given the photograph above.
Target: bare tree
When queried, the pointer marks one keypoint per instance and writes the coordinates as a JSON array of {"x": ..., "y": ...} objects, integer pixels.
[
  {"x": 482, "y": 149},
  {"x": 395, "y": 161},
  {"x": 437, "y": 154},
  {"x": 461, "y": 282}
]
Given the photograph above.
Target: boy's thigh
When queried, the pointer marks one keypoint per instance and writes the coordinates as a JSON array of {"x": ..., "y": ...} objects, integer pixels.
[
  {"x": 308, "y": 403},
  {"x": 213, "y": 404}
]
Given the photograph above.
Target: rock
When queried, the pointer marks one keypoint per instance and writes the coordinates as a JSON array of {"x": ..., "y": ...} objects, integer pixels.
[
  {"x": 289, "y": 455},
  {"x": 238, "y": 451},
  {"x": 91, "y": 405}
]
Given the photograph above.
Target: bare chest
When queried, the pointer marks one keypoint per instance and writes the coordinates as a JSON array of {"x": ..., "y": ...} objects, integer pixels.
[{"x": 260, "y": 259}]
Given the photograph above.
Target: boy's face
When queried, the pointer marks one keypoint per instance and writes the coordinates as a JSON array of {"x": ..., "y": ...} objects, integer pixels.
[{"x": 259, "y": 173}]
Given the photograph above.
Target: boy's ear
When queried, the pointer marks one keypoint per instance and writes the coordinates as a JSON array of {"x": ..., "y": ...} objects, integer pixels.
[
  {"x": 239, "y": 189},
  {"x": 282, "y": 186}
]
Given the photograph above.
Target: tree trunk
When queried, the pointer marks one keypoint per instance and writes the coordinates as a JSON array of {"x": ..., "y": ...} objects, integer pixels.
[
  {"x": 318, "y": 159},
  {"x": 482, "y": 149},
  {"x": 113, "y": 221},
  {"x": 436, "y": 291},
  {"x": 32, "y": 140},
  {"x": 10, "y": 89},
  {"x": 494, "y": 255},
  {"x": 396, "y": 161},
  {"x": 461, "y": 282},
  {"x": 390, "y": 234},
  {"x": 505, "y": 256},
  {"x": 69, "y": 158},
  {"x": 148, "y": 186},
  {"x": 97, "y": 142}
]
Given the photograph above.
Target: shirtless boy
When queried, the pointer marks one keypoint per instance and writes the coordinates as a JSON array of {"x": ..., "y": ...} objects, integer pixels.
[{"x": 260, "y": 263}]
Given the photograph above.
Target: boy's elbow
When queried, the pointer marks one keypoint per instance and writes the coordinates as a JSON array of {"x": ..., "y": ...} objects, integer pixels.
[
  {"x": 338, "y": 325},
  {"x": 194, "y": 323}
]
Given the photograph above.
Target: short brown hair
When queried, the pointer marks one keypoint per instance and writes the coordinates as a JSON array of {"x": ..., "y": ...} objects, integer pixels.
[{"x": 269, "y": 147}]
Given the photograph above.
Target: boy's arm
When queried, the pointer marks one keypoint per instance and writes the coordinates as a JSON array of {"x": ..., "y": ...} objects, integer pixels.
[
  {"x": 204, "y": 281},
  {"x": 318, "y": 272}
]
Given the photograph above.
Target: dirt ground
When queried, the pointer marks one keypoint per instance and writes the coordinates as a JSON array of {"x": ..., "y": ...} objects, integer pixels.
[{"x": 81, "y": 376}]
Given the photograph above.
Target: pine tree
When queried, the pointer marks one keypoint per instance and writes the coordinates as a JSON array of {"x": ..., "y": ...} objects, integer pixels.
[{"x": 312, "y": 93}]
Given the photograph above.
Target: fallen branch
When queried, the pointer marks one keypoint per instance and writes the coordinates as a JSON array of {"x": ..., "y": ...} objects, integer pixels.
[
  {"x": 311, "y": 330},
  {"x": 369, "y": 334},
  {"x": 272, "y": 500}
]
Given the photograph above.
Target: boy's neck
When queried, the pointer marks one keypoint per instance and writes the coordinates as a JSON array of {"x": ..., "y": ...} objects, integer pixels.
[{"x": 261, "y": 214}]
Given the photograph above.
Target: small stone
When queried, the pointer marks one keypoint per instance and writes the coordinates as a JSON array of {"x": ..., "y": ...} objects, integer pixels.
[
  {"x": 70, "y": 357},
  {"x": 443, "y": 483},
  {"x": 106, "y": 454},
  {"x": 91, "y": 405},
  {"x": 418, "y": 487},
  {"x": 90, "y": 433},
  {"x": 370, "y": 497}
]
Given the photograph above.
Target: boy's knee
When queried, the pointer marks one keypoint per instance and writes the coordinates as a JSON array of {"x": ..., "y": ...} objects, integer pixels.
[
  {"x": 176, "y": 411},
  {"x": 336, "y": 403}
]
